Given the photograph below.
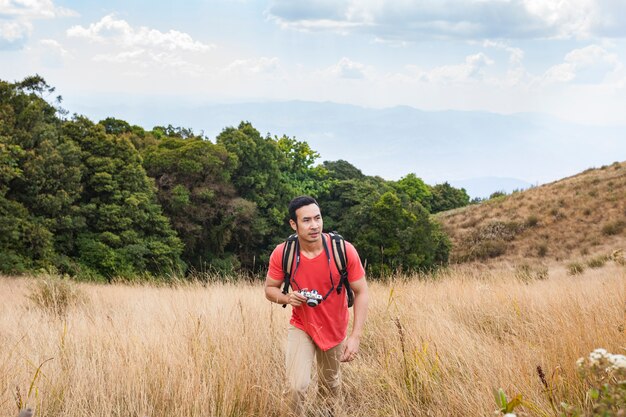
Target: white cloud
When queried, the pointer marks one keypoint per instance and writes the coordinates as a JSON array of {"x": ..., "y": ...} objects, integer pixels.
[
  {"x": 412, "y": 20},
  {"x": 470, "y": 70},
  {"x": 17, "y": 16},
  {"x": 119, "y": 32},
  {"x": 144, "y": 47},
  {"x": 599, "y": 64},
  {"x": 54, "y": 46},
  {"x": 516, "y": 55},
  {"x": 572, "y": 18},
  {"x": 33, "y": 9},
  {"x": 347, "y": 68},
  {"x": 312, "y": 25},
  {"x": 13, "y": 30}
]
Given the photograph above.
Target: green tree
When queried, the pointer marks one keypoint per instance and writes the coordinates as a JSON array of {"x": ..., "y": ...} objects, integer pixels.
[
  {"x": 115, "y": 126},
  {"x": 401, "y": 237},
  {"x": 108, "y": 199},
  {"x": 345, "y": 205},
  {"x": 343, "y": 170},
  {"x": 300, "y": 174},
  {"x": 259, "y": 178},
  {"x": 414, "y": 189},
  {"x": 390, "y": 232},
  {"x": 15, "y": 242},
  {"x": 446, "y": 197},
  {"x": 125, "y": 232},
  {"x": 193, "y": 180},
  {"x": 41, "y": 178}
]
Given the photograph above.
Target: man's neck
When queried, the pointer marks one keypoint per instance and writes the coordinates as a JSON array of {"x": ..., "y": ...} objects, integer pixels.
[{"x": 311, "y": 249}]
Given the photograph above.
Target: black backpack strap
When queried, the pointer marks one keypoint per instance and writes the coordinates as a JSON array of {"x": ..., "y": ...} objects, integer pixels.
[
  {"x": 290, "y": 252},
  {"x": 340, "y": 256}
]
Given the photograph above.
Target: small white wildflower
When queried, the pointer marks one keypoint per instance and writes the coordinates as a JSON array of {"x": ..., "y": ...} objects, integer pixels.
[
  {"x": 597, "y": 355},
  {"x": 602, "y": 353},
  {"x": 509, "y": 415},
  {"x": 580, "y": 362},
  {"x": 618, "y": 361}
]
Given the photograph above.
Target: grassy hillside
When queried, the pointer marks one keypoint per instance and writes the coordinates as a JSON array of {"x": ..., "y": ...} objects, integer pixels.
[
  {"x": 576, "y": 220},
  {"x": 435, "y": 348}
]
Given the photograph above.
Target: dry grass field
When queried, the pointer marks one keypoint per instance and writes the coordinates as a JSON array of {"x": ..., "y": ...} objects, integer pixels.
[
  {"x": 577, "y": 219},
  {"x": 437, "y": 346}
]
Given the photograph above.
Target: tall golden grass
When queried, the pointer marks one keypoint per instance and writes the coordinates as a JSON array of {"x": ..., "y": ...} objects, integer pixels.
[{"x": 433, "y": 347}]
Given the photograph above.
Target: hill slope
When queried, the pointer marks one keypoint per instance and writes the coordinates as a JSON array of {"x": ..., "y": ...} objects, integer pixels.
[{"x": 579, "y": 218}]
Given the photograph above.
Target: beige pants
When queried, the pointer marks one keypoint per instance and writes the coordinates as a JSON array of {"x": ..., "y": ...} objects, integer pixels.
[{"x": 299, "y": 360}]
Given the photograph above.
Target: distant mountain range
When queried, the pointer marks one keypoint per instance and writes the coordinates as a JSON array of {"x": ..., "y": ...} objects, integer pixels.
[{"x": 482, "y": 152}]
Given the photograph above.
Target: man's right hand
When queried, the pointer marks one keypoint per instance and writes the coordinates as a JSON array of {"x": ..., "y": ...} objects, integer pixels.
[{"x": 295, "y": 299}]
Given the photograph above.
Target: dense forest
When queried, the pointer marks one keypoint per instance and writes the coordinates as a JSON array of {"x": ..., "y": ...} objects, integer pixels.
[{"x": 109, "y": 199}]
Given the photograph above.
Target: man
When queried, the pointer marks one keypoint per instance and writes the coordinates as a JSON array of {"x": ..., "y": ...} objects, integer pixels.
[{"x": 317, "y": 332}]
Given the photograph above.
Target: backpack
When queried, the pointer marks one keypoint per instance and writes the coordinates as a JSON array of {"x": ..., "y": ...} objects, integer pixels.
[{"x": 291, "y": 253}]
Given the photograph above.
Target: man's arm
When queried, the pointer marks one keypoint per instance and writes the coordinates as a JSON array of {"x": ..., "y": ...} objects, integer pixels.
[
  {"x": 361, "y": 301},
  {"x": 274, "y": 293}
]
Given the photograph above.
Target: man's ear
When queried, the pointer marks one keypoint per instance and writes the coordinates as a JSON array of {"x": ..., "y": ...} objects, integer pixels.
[{"x": 293, "y": 225}]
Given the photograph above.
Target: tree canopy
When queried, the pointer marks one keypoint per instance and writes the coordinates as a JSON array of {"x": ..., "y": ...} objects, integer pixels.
[{"x": 110, "y": 199}]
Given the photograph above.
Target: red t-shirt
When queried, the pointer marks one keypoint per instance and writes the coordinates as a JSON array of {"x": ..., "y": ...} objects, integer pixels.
[{"x": 326, "y": 323}]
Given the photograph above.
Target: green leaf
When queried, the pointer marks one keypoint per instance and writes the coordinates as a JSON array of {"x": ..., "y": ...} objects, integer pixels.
[
  {"x": 514, "y": 403},
  {"x": 500, "y": 399}
]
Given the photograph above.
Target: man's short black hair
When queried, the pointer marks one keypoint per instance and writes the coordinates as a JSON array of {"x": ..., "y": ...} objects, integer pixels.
[{"x": 296, "y": 203}]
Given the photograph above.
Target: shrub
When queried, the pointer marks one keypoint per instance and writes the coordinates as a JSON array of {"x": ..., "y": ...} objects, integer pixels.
[
  {"x": 531, "y": 221},
  {"x": 618, "y": 257},
  {"x": 575, "y": 268},
  {"x": 613, "y": 228},
  {"x": 55, "y": 295},
  {"x": 598, "y": 261},
  {"x": 488, "y": 249},
  {"x": 469, "y": 223},
  {"x": 488, "y": 241},
  {"x": 497, "y": 194}
]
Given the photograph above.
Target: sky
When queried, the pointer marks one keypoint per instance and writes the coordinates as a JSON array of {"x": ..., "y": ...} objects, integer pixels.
[{"x": 563, "y": 58}]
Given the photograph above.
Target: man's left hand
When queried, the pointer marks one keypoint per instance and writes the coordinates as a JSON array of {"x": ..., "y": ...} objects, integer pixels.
[{"x": 350, "y": 349}]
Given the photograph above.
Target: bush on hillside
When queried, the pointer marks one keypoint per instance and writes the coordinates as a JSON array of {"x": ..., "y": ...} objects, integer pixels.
[
  {"x": 531, "y": 221},
  {"x": 575, "y": 268},
  {"x": 598, "y": 261},
  {"x": 613, "y": 228},
  {"x": 488, "y": 241}
]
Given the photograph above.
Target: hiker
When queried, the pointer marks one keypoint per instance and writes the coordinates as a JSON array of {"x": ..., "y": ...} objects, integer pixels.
[{"x": 329, "y": 269}]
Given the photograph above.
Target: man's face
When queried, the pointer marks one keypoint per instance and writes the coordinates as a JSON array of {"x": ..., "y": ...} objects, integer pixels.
[{"x": 309, "y": 225}]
